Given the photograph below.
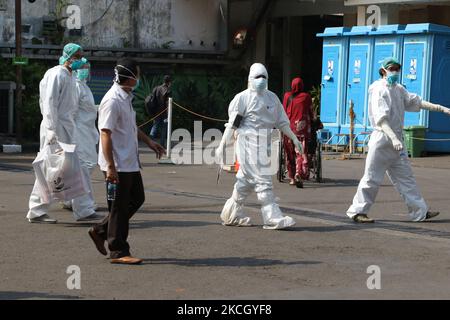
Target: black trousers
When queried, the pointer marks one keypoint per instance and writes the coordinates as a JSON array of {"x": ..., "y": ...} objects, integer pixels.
[{"x": 114, "y": 228}]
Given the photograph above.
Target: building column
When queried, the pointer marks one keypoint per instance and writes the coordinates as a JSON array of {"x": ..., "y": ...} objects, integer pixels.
[{"x": 260, "y": 44}]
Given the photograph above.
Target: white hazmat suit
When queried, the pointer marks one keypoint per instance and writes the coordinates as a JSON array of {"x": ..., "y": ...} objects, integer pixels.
[
  {"x": 58, "y": 103},
  {"x": 86, "y": 138},
  {"x": 260, "y": 111},
  {"x": 387, "y": 154}
]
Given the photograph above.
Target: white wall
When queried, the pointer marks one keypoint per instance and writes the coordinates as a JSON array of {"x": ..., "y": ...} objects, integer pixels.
[
  {"x": 181, "y": 21},
  {"x": 158, "y": 23},
  {"x": 32, "y": 14}
]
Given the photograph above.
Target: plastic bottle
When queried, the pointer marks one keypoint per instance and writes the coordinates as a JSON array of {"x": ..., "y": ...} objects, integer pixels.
[{"x": 112, "y": 188}]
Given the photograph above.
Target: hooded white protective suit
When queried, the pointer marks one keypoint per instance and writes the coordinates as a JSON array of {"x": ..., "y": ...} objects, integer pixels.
[
  {"x": 58, "y": 103},
  {"x": 86, "y": 138},
  {"x": 389, "y": 103},
  {"x": 261, "y": 111}
]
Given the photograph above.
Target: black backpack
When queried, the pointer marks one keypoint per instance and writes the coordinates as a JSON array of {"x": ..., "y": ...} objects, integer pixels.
[{"x": 151, "y": 103}]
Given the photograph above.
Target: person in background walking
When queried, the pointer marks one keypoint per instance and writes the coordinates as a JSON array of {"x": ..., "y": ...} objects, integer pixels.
[{"x": 298, "y": 107}]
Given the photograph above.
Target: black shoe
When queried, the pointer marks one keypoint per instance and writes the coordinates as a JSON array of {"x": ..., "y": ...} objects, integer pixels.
[
  {"x": 43, "y": 219},
  {"x": 298, "y": 182},
  {"x": 98, "y": 241},
  {"x": 431, "y": 214},
  {"x": 92, "y": 217},
  {"x": 362, "y": 218}
]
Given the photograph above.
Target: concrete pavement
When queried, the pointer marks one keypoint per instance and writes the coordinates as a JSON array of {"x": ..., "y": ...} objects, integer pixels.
[{"x": 190, "y": 255}]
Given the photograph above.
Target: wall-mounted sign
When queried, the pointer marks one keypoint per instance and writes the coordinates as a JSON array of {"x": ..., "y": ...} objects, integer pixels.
[
  {"x": 412, "y": 75},
  {"x": 20, "y": 61},
  {"x": 330, "y": 70}
]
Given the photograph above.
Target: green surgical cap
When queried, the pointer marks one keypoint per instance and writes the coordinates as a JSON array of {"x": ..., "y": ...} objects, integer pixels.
[
  {"x": 386, "y": 63},
  {"x": 69, "y": 51}
]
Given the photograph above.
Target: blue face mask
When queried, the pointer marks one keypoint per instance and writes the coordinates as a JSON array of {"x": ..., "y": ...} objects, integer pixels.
[
  {"x": 259, "y": 84},
  {"x": 77, "y": 64},
  {"x": 392, "y": 77},
  {"x": 83, "y": 74}
]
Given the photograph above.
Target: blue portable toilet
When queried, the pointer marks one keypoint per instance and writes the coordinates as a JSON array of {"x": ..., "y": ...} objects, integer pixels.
[
  {"x": 387, "y": 44},
  {"x": 334, "y": 72},
  {"x": 351, "y": 60},
  {"x": 425, "y": 71},
  {"x": 358, "y": 78}
]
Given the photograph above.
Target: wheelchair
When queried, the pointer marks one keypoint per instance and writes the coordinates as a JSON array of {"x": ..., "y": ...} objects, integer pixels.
[{"x": 314, "y": 160}]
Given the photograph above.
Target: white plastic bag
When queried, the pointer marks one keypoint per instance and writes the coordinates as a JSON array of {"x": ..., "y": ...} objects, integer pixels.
[{"x": 59, "y": 174}]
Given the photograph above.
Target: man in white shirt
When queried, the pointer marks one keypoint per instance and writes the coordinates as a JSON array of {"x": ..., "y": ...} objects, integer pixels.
[{"x": 119, "y": 160}]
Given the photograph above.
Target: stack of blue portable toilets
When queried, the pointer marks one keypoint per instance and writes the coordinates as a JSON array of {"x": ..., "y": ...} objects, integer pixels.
[{"x": 351, "y": 62}]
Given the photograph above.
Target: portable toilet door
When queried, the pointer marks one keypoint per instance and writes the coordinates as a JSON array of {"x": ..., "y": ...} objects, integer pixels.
[
  {"x": 334, "y": 66},
  {"x": 425, "y": 71},
  {"x": 415, "y": 69},
  {"x": 358, "y": 77},
  {"x": 439, "y": 123},
  {"x": 387, "y": 43}
]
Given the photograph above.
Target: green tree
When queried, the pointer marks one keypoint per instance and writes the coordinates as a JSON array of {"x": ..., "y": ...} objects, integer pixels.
[{"x": 31, "y": 115}]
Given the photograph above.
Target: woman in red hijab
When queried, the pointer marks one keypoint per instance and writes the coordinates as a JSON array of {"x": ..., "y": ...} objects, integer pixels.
[{"x": 298, "y": 107}]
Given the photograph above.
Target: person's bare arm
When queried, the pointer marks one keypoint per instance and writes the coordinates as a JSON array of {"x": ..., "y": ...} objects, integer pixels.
[
  {"x": 106, "y": 141},
  {"x": 159, "y": 150}
]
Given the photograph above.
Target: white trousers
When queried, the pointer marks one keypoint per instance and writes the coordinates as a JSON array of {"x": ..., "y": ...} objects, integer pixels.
[
  {"x": 233, "y": 214},
  {"x": 381, "y": 159}
]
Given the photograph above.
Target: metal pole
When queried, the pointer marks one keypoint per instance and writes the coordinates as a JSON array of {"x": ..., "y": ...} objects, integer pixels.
[
  {"x": 169, "y": 128},
  {"x": 11, "y": 110},
  {"x": 352, "y": 125},
  {"x": 18, "y": 70}
]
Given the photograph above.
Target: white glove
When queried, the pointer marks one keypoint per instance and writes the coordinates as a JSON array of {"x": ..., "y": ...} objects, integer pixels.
[
  {"x": 219, "y": 154},
  {"x": 50, "y": 137},
  {"x": 291, "y": 135},
  {"x": 227, "y": 135},
  {"x": 398, "y": 145},
  {"x": 435, "y": 107}
]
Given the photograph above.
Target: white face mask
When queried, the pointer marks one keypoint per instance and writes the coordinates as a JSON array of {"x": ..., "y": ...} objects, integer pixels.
[
  {"x": 259, "y": 84},
  {"x": 117, "y": 74}
]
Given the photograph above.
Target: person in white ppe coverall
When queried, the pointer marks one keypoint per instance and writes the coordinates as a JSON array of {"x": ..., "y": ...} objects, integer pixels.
[
  {"x": 253, "y": 114},
  {"x": 86, "y": 138},
  {"x": 388, "y": 102},
  {"x": 59, "y": 104}
]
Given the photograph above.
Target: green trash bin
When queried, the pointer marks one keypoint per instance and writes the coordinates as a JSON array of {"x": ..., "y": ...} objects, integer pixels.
[{"x": 414, "y": 146}]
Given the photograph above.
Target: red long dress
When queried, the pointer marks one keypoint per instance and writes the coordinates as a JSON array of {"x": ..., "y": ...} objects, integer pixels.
[{"x": 299, "y": 112}]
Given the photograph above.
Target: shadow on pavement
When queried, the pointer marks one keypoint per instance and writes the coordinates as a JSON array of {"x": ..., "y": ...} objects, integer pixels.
[
  {"x": 77, "y": 224},
  {"x": 335, "y": 183},
  {"x": 16, "y": 295},
  {"x": 328, "y": 228},
  {"x": 163, "y": 223},
  {"x": 227, "y": 262},
  {"x": 175, "y": 210}
]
